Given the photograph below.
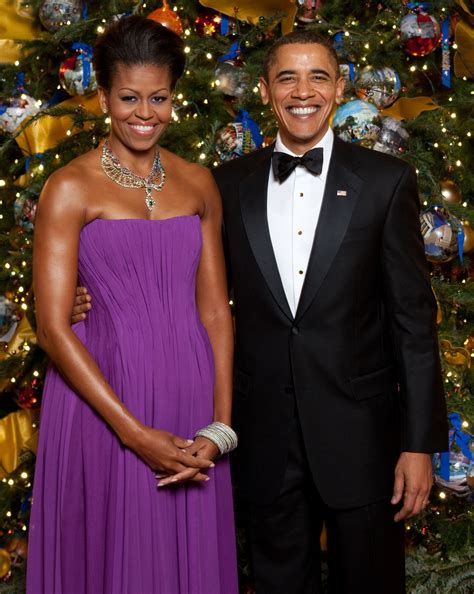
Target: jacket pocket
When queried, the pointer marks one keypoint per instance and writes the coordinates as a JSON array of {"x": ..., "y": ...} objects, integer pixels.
[{"x": 373, "y": 384}]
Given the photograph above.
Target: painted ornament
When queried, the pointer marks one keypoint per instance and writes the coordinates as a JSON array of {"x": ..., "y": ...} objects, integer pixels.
[
  {"x": 24, "y": 210},
  {"x": 393, "y": 138},
  {"x": 15, "y": 110},
  {"x": 231, "y": 78},
  {"x": 54, "y": 15},
  {"x": 420, "y": 33},
  {"x": 233, "y": 141},
  {"x": 379, "y": 86},
  {"x": 76, "y": 73},
  {"x": 357, "y": 121},
  {"x": 441, "y": 231}
]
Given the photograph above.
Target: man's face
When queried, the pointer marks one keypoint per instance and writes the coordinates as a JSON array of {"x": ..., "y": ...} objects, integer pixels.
[{"x": 303, "y": 87}]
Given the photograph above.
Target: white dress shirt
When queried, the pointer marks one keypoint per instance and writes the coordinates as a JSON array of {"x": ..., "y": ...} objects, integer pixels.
[{"x": 293, "y": 208}]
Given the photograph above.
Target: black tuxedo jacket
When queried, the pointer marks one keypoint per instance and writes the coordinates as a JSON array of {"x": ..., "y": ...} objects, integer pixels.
[{"x": 360, "y": 357}]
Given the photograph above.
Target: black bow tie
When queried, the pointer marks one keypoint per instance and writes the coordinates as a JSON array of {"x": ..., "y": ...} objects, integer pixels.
[{"x": 283, "y": 164}]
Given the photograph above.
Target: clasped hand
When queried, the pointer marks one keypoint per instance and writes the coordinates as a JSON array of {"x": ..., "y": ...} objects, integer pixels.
[{"x": 174, "y": 459}]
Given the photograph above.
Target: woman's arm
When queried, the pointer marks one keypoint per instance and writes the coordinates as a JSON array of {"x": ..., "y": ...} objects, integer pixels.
[
  {"x": 214, "y": 310},
  {"x": 213, "y": 300},
  {"x": 60, "y": 218}
]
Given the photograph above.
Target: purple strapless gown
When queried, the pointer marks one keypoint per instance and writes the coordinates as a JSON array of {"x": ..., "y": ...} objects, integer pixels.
[{"x": 99, "y": 525}]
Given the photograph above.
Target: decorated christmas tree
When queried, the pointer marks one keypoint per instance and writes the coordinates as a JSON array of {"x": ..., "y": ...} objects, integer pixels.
[{"x": 409, "y": 70}]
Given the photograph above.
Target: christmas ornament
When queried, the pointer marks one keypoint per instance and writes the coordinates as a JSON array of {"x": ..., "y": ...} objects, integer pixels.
[
  {"x": 208, "y": 24},
  {"x": 18, "y": 549},
  {"x": 24, "y": 210},
  {"x": 7, "y": 317},
  {"x": 450, "y": 192},
  {"x": 392, "y": 138},
  {"x": 168, "y": 18},
  {"x": 468, "y": 237},
  {"x": 54, "y": 15},
  {"x": 357, "y": 121},
  {"x": 231, "y": 77},
  {"x": 442, "y": 234},
  {"x": 381, "y": 87},
  {"x": 76, "y": 73},
  {"x": 348, "y": 71},
  {"x": 238, "y": 138},
  {"x": 5, "y": 563},
  {"x": 451, "y": 468},
  {"x": 420, "y": 33},
  {"x": 15, "y": 110},
  {"x": 27, "y": 397},
  {"x": 310, "y": 9}
]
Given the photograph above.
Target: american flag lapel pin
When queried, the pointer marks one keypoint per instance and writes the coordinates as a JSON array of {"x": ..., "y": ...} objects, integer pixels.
[{"x": 342, "y": 193}]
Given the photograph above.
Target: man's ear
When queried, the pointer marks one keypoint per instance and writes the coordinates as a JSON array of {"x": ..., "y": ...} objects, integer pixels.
[
  {"x": 340, "y": 84},
  {"x": 264, "y": 94}
]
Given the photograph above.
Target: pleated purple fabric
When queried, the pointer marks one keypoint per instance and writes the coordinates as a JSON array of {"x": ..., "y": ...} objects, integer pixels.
[{"x": 99, "y": 525}]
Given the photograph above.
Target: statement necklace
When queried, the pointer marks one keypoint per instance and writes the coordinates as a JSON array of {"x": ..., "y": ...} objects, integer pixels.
[{"x": 127, "y": 179}]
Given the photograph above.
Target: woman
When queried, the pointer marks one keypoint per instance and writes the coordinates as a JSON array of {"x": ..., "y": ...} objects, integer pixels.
[{"x": 126, "y": 498}]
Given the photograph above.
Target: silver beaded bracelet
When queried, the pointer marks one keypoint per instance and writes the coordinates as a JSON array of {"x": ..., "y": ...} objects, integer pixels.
[{"x": 220, "y": 434}]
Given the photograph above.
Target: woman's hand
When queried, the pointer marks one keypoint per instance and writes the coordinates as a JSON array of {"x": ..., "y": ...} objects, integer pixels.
[
  {"x": 203, "y": 448},
  {"x": 82, "y": 304},
  {"x": 167, "y": 455}
]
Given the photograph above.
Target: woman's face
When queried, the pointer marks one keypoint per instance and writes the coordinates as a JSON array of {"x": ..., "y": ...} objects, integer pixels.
[{"x": 139, "y": 104}]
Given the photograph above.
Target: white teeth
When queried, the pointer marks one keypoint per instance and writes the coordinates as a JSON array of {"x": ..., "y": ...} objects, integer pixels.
[
  {"x": 142, "y": 128},
  {"x": 303, "y": 110}
]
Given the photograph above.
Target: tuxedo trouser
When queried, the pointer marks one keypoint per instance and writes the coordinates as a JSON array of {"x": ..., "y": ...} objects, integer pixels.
[{"x": 365, "y": 546}]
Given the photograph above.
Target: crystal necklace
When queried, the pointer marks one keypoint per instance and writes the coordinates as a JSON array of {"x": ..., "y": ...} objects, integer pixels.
[{"x": 127, "y": 179}]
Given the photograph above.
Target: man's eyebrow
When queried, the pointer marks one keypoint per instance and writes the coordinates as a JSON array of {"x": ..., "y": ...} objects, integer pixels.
[{"x": 313, "y": 71}]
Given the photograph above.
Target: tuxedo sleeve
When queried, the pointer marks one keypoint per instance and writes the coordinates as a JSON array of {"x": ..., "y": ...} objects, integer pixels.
[{"x": 411, "y": 306}]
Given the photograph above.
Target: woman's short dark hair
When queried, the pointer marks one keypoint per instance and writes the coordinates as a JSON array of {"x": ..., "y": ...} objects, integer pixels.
[
  {"x": 137, "y": 40},
  {"x": 303, "y": 36}
]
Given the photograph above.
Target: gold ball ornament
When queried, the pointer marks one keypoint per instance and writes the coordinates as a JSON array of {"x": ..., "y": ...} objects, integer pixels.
[
  {"x": 5, "y": 563},
  {"x": 168, "y": 18},
  {"x": 468, "y": 237},
  {"x": 450, "y": 192}
]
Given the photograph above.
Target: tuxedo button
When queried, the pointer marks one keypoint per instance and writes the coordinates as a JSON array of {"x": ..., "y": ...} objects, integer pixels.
[
  {"x": 295, "y": 330},
  {"x": 289, "y": 390}
]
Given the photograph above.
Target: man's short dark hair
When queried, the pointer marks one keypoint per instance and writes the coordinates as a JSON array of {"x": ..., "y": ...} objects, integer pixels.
[
  {"x": 136, "y": 40},
  {"x": 303, "y": 36}
]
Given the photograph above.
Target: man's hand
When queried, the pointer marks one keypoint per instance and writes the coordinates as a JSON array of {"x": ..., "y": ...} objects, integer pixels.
[
  {"x": 82, "y": 304},
  {"x": 413, "y": 481}
]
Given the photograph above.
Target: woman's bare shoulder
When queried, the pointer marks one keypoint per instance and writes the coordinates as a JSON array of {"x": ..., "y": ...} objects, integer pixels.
[{"x": 70, "y": 186}]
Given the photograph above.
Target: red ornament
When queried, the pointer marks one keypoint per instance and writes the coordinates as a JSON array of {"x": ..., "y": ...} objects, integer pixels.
[
  {"x": 168, "y": 18},
  {"x": 208, "y": 24},
  {"x": 27, "y": 397},
  {"x": 420, "y": 33}
]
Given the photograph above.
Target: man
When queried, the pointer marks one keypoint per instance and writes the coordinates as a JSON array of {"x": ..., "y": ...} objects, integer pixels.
[{"x": 338, "y": 395}]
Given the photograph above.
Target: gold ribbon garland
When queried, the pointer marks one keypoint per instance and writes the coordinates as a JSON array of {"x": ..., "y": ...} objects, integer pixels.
[
  {"x": 16, "y": 433},
  {"x": 251, "y": 11},
  {"x": 16, "y": 24},
  {"x": 409, "y": 108},
  {"x": 47, "y": 131},
  {"x": 464, "y": 38}
]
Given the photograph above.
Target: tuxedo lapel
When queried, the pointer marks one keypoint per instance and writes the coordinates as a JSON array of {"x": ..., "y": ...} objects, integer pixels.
[
  {"x": 340, "y": 197},
  {"x": 253, "y": 203}
]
